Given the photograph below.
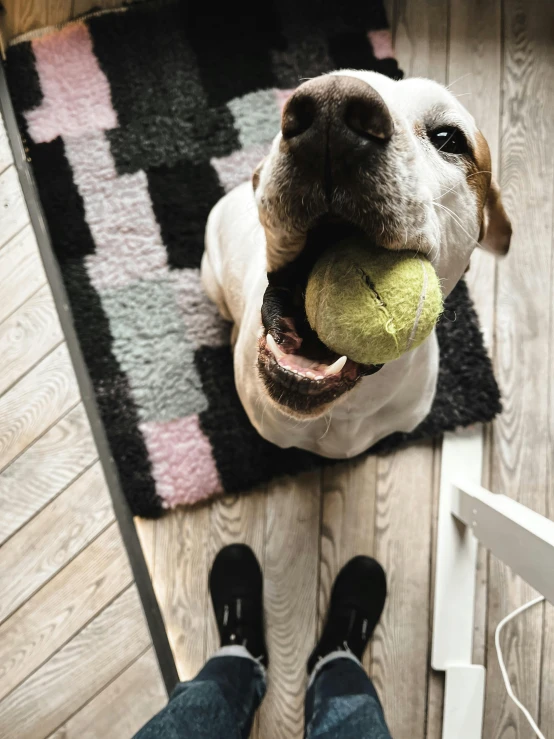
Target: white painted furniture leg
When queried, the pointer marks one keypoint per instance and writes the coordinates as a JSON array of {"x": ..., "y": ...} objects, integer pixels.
[
  {"x": 462, "y": 457},
  {"x": 523, "y": 539},
  {"x": 463, "y": 702}
]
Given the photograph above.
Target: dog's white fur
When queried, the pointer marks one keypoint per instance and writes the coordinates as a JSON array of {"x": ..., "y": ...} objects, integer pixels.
[{"x": 457, "y": 214}]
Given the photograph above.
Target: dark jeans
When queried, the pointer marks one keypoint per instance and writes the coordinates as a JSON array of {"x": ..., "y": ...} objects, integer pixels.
[{"x": 220, "y": 703}]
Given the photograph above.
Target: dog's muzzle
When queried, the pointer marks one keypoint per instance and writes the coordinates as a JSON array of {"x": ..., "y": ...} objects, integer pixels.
[
  {"x": 331, "y": 125},
  {"x": 333, "y": 129}
]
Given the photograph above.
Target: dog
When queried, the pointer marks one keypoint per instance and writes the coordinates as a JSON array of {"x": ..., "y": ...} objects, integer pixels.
[{"x": 404, "y": 163}]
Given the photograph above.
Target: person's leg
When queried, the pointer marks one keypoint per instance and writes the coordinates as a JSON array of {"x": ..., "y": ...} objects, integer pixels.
[
  {"x": 341, "y": 701},
  {"x": 220, "y": 702}
]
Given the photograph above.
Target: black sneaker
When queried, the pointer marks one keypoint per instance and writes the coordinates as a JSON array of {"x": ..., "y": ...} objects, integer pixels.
[
  {"x": 236, "y": 587},
  {"x": 357, "y": 602}
]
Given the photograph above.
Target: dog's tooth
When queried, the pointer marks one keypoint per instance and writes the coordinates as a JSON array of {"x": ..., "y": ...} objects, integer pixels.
[
  {"x": 336, "y": 367},
  {"x": 274, "y": 347},
  {"x": 319, "y": 377},
  {"x": 310, "y": 374}
]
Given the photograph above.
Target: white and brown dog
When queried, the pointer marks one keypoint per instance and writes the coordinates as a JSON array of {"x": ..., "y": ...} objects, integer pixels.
[{"x": 401, "y": 161}]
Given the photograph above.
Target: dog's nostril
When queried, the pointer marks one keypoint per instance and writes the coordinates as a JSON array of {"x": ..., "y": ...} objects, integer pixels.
[
  {"x": 298, "y": 115},
  {"x": 369, "y": 117},
  {"x": 332, "y": 107}
]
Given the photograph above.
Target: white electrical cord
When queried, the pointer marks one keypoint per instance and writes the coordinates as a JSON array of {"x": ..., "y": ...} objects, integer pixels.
[{"x": 499, "y": 628}]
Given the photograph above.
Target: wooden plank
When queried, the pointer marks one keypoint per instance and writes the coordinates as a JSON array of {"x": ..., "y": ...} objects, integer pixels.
[
  {"x": 180, "y": 549},
  {"x": 146, "y": 531},
  {"x": 36, "y": 402},
  {"x": 13, "y": 211},
  {"x": 291, "y": 595},
  {"x": 546, "y": 718},
  {"x": 44, "y": 470},
  {"x": 474, "y": 74},
  {"x": 84, "y": 6},
  {"x": 436, "y": 680},
  {"x": 97, "y": 655},
  {"x": 234, "y": 519},
  {"x": 62, "y": 607},
  {"x": 241, "y": 519},
  {"x": 63, "y": 529},
  {"x": 21, "y": 271},
  {"x": 348, "y": 523},
  {"x": 390, "y": 10},
  {"x": 180, "y": 581},
  {"x": 123, "y": 707},
  {"x": 546, "y": 700},
  {"x": 421, "y": 37},
  {"x": 26, "y": 15},
  {"x": 403, "y": 546},
  {"x": 27, "y": 336},
  {"x": 479, "y": 655},
  {"x": 522, "y": 452},
  {"x": 406, "y": 480},
  {"x": 6, "y": 157}
]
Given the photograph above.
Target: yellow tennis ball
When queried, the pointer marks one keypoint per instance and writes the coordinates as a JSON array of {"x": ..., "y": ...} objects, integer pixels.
[{"x": 372, "y": 304}]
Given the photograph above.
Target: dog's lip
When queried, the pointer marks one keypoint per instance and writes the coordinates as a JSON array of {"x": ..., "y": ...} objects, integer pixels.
[
  {"x": 305, "y": 368},
  {"x": 304, "y": 376}
]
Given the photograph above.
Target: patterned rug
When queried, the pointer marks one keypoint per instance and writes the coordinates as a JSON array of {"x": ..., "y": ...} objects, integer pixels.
[{"x": 136, "y": 123}]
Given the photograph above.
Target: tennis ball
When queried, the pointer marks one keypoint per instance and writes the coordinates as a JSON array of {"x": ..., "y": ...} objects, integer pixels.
[{"x": 372, "y": 304}]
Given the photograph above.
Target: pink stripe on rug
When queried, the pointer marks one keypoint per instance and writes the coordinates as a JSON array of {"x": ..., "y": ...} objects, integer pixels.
[
  {"x": 118, "y": 211},
  {"x": 381, "y": 42},
  {"x": 76, "y": 93},
  {"x": 182, "y": 461}
]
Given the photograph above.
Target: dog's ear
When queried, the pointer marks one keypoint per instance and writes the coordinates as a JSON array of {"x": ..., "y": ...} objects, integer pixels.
[{"x": 496, "y": 229}]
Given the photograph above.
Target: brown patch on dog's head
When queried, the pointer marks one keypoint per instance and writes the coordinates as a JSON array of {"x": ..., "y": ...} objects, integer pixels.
[
  {"x": 479, "y": 166},
  {"x": 495, "y": 230}
]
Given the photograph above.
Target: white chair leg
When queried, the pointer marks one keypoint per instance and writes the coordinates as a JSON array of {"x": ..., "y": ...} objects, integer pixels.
[
  {"x": 464, "y": 700},
  {"x": 462, "y": 456},
  {"x": 523, "y": 539}
]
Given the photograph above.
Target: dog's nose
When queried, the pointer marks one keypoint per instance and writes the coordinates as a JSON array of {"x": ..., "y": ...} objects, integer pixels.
[{"x": 338, "y": 110}]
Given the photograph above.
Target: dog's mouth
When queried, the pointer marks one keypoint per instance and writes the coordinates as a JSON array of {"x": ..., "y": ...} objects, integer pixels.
[{"x": 299, "y": 371}]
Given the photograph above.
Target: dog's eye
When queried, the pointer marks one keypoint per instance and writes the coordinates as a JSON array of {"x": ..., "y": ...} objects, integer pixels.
[{"x": 449, "y": 140}]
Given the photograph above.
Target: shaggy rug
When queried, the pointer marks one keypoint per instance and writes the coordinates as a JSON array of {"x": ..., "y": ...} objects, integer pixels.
[{"x": 136, "y": 123}]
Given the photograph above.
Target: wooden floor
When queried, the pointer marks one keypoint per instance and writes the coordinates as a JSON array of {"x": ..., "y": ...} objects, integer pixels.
[
  {"x": 499, "y": 57},
  {"x": 61, "y": 620},
  {"x": 76, "y": 656}
]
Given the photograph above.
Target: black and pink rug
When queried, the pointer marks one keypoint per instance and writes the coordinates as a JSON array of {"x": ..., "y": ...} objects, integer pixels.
[{"x": 136, "y": 123}]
